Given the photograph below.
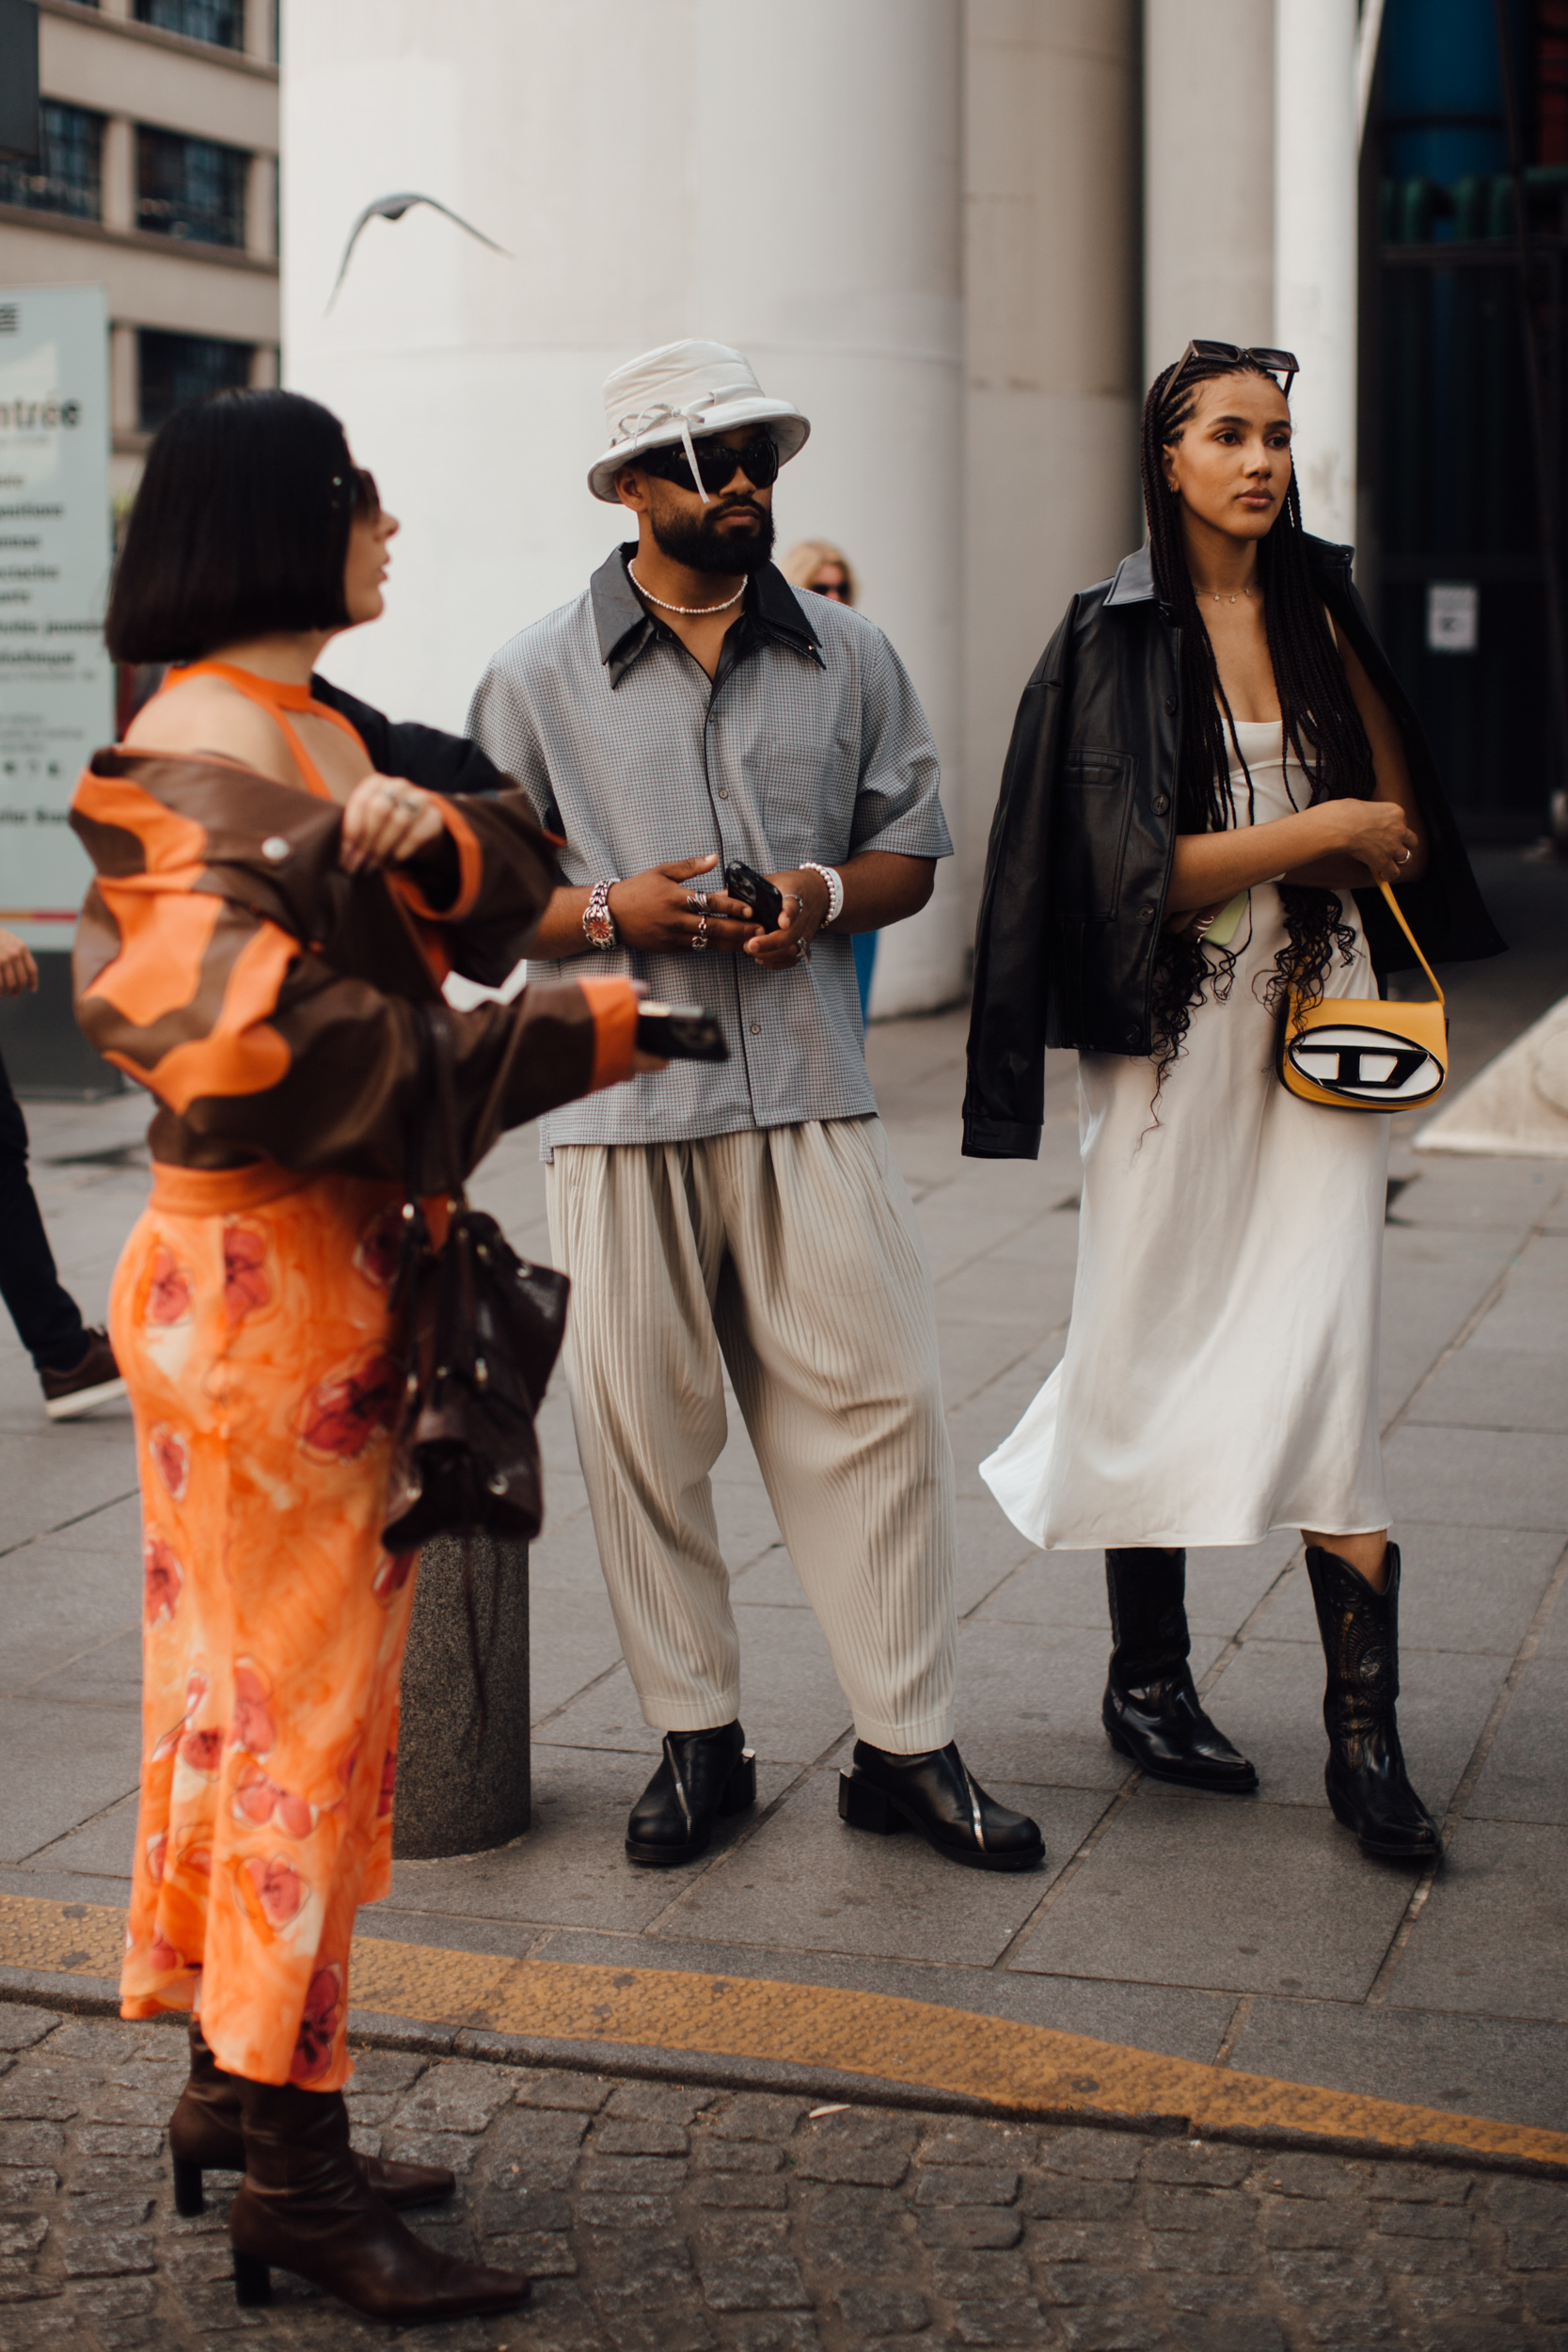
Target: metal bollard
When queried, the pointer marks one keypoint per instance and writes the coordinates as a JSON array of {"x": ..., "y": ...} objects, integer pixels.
[{"x": 453, "y": 1796}]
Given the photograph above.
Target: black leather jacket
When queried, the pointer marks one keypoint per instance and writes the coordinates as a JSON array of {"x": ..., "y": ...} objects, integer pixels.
[{"x": 1085, "y": 834}]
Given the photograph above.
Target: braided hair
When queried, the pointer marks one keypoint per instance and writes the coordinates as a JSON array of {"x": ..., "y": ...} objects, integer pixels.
[{"x": 1322, "y": 726}]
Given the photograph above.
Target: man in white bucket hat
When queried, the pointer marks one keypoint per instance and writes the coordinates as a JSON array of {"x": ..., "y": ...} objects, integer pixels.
[{"x": 684, "y": 715}]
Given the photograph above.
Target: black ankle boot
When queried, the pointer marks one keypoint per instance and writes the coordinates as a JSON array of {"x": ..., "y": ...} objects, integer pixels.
[
  {"x": 204, "y": 2136},
  {"x": 1365, "y": 1776},
  {"x": 1152, "y": 1711},
  {"x": 703, "y": 1775},
  {"x": 937, "y": 1794}
]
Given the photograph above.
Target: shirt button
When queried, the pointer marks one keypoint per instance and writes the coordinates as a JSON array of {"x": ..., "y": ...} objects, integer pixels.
[
  {"x": 723, "y": 791},
  {"x": 1161, "y": 803},
  {"x": 1170, "y": 703},
  {"x": 1146, "y": 914},
  {"x": 756, "y": 1028},
  {"x": 275, "y": 849}
]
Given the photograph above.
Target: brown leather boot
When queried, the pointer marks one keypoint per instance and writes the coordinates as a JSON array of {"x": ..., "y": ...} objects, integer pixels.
[
  {"x": 204, "y": 2137},
  {"x": 306, "y": 2205}
]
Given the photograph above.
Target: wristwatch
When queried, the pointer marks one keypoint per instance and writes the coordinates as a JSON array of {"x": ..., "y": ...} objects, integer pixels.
[{"x": 599, "y": 924}]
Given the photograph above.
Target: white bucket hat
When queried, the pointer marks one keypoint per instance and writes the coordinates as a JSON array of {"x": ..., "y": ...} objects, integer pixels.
[{"x": 682, "y": 388}]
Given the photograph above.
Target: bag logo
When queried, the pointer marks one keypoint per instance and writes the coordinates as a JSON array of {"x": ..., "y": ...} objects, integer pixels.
[{"x": 1372, "y": 1066}]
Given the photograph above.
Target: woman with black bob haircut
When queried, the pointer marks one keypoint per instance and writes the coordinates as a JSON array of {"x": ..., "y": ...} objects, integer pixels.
[
  {"x": 270, "y": 915},
  {"x": 1212, "y": 769}
]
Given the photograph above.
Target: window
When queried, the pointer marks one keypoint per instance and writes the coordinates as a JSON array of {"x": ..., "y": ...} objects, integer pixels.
[
  {"x": 220, "y": 21},
  {"x": 175, "y": 368},
  {"x": 190, "y": 189},
  {"x": 66, "y": 177}
]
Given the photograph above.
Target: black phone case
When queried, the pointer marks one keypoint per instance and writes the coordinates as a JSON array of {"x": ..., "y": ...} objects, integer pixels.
[
  {"x": 765, "y": 898},
  {"x": 682, "y": 1033}
]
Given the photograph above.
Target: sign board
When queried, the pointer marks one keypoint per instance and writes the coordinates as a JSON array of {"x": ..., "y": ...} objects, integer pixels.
[
  {"x": 1453, "y": 616},
  {"x": 56, "y": 682}
]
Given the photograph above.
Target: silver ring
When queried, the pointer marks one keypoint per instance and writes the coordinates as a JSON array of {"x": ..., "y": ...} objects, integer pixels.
[
  {"x": 699, "y": 937},
  {"x": 695, "y": 903},
  {"x": 1404, "y": 859}
]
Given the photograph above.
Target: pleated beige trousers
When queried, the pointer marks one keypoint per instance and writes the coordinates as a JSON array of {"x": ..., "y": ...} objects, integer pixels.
[{"x": 791, "y": 1255}]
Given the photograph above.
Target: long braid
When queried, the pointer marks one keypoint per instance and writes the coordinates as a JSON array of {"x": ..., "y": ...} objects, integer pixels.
[{"x": 1322, "y": 727}]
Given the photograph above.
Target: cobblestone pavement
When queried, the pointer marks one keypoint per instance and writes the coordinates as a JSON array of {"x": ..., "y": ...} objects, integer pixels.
[{"x": 657, "y": 2217}]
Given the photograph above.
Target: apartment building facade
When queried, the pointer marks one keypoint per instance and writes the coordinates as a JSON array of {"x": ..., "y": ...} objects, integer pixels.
[{"x": 156, "y": 177}]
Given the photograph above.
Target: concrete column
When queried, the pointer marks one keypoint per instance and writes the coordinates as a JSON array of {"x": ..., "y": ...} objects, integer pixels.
[
  {"x": 124, "y": 380},
  {"x": 1316, "y": 144},
  {"x": 117, "y": 164},
  {"x": 1051, "y": 281},
  {"x": 790, "y": 187},
  {"x": 1208, "y": 173},
  {"x": 260, "y": 208},
  {"x": 453, "y": 1794},
  {"x": 260, "y": 19}
]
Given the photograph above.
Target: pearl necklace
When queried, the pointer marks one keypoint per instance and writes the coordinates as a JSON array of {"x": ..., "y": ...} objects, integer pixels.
[{"x": 691, "y": 612}]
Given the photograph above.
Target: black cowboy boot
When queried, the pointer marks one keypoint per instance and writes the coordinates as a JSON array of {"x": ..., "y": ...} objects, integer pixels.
[
  {"x": 204, "y": 2136},
  {"x": 1365, "y": 1774},
  {"x": 305, "y": 2205},
  {"x": 937, "y": 1794},
  {"x": 703, "y": 1775},
  {"x": 1152, "y": 1711}
]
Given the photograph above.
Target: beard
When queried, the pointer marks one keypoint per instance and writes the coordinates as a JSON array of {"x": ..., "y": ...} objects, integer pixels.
[{"x": 697, "y": 543}]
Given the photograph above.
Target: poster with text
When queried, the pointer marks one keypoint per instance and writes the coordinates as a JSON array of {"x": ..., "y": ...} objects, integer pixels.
[{"x": 56, "y": 682}]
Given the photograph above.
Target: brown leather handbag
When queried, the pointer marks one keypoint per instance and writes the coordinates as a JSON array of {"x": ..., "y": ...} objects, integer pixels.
[{"x": 484, "y": 1331}]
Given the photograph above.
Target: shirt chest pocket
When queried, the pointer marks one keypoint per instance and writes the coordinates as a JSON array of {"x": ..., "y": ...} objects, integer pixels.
[{"x": 1093, "y": 809}]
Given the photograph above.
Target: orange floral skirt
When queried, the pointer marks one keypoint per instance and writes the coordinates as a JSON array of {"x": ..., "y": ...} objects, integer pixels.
[{"x": 251, "y": 1317}]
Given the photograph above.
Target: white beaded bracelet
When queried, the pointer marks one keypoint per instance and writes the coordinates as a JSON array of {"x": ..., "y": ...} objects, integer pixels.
[{"x": 835, "y": 888}]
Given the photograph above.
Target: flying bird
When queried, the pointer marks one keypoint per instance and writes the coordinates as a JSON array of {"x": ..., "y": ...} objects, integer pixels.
[{"x": 394, "y": 208}]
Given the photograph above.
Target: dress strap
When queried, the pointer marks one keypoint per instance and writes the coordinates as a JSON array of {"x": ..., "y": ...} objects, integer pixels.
[{"x": 278, "y": 697}]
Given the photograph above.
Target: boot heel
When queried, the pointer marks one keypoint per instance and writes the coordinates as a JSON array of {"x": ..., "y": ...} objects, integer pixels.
[
  {"x": 865, "y": 1808},
  {"x": 252, "y": 2280},
  {"x": 741, "y": 1790},
  {"x": 188, "y": 2198}
]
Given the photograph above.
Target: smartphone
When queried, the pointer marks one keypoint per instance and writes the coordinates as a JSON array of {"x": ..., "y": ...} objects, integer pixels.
[
  {"x": 765, "y": 898},
  {"x": 680, "y": 1033}
]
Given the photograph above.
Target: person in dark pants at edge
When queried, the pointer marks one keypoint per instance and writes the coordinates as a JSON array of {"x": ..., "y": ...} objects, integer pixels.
[{"x": 74, "y": 1361}]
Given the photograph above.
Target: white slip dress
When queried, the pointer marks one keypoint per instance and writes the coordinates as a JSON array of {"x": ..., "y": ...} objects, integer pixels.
[{"x": 1220, "y": 1376}]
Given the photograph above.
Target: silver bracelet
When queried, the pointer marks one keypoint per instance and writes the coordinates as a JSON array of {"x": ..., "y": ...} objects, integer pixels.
[{"x": 835, "y": 888}]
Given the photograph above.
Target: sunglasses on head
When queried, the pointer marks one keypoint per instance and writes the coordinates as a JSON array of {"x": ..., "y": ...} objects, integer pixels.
[
  {"x": 717, "y": 463},
  {"x": 1278, "y": 362}
]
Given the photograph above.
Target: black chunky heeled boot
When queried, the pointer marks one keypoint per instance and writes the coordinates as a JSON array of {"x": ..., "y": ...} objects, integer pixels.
[
  {"x": 204, "y": 2136},
  {"x": 937, "y": 1794},
  {"x": 305, "y": 2207},
  {"x": 703, "y": 1775},
  {"x": 1365, "y": 1776},
  {"x": 1152, "y": 1712}
]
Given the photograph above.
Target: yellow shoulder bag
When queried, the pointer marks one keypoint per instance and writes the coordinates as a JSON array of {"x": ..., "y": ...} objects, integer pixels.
[{"x": 1360, "y": 1053}]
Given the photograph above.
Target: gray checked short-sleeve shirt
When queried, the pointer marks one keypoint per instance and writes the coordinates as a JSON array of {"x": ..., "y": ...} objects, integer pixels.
[{"x": 810, "y": 744}]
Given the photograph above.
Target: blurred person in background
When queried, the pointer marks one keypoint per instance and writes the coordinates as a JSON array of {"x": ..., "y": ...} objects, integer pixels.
[
  {"x": 827, "y": 571},
  {"x": 75, "y": 1360},
  {"x": 269, "y": 913}
]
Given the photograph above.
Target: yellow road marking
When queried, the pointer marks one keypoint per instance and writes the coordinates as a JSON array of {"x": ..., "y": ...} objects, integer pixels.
[{"x": 1020, "y": 2068}]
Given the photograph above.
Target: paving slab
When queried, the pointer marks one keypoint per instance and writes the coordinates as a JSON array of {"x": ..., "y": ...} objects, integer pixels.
[{"x": 1140, "y": 1930}]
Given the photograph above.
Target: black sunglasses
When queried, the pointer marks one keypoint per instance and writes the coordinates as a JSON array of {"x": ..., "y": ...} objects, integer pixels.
[
  {"x": 363, "y": 496},
  {"x": 717, "y": 463},
  {"x": 1276, "y": 363}
]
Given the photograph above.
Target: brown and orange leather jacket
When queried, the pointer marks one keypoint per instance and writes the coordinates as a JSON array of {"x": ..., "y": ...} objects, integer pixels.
[{"x": 226, "y": 962}]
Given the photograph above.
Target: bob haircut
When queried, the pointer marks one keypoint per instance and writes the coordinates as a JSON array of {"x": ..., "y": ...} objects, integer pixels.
[
  {"x": 808, "y": 556},
  {"x": 240, "y": 527}
]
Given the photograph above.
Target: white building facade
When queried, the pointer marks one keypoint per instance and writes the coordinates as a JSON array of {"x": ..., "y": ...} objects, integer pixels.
[{"x": 921, "y": 220}]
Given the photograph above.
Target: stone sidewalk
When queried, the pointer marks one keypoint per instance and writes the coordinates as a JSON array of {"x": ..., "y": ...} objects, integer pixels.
[
  {"x": 660, "y": 2216},
  {"x": 1252, "y": 1934}
]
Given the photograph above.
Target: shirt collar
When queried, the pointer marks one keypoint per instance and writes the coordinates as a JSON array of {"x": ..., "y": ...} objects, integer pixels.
[{"x": 626, "y": 626}]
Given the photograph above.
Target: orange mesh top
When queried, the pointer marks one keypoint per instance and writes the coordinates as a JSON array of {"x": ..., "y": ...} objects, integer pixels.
[{"x": 277, "y": 695}]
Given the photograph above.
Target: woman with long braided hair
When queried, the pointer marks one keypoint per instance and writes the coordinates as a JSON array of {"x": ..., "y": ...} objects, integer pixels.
[{"x": 1212, "y": 760}]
